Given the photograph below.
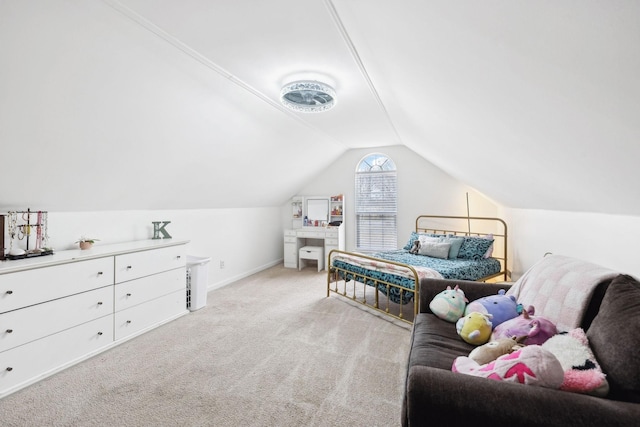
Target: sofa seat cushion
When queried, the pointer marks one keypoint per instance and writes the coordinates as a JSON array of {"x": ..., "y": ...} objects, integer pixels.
[
  {"x": 436, "y": 343},
  {"x": 615, "y": 340}
]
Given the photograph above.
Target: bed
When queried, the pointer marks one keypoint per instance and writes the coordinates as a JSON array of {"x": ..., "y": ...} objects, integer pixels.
[{"x": 451, "y": 247}]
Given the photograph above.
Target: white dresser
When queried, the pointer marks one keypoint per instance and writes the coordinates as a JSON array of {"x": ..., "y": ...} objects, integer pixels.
[{"x": 60, "y": 309}]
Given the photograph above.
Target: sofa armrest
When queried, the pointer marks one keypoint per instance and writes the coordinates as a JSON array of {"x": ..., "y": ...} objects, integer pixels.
[
  {"x": 429, "y": 288},
  {"x": 437, "y": 397}
]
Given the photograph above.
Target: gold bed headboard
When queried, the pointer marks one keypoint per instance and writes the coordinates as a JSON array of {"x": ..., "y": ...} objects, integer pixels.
[{"x": 469, "y": 226}]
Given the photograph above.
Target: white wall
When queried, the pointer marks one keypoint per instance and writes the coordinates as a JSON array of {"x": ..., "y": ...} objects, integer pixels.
[
  {"x": 422, "y": 189},
  {"x": 247, "y": 240},
  {"x": 606, "y": 240}
]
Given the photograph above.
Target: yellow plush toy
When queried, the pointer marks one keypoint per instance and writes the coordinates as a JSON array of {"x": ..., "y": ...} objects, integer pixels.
[{"x": 474, "y": 328}]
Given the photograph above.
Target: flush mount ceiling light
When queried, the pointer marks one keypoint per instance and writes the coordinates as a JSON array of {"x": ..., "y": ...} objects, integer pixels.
[{"x": 308, "y": 96}]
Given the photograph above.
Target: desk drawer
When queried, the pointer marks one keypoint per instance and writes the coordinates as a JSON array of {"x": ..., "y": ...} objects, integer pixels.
[
  {"x": 312, "y": 234},
  {"x": 289, "y": 239},
  {"x": 331, "y": 234},
  {"x": 290, "y": 233}
]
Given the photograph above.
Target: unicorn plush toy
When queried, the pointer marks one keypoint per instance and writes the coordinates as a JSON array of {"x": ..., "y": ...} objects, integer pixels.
[{"x": 449, "y": 304}]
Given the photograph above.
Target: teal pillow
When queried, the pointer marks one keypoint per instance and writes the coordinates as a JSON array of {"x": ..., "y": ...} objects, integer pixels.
[
  {"x": 456, "y": 243},
  {"x": 412, "y": 238},
  {"x": 474, "y": 247}
]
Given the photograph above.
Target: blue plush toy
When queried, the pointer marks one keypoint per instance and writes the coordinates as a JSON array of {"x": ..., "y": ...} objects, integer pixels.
[
  {"x": 449, "y": 304},
  {"x": 501, "y": 307}
]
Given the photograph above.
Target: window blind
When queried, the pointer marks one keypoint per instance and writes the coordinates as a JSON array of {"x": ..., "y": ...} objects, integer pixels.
[{"x": 376, "y": 210}]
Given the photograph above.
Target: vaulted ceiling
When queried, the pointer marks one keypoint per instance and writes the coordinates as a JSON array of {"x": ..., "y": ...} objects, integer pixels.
[{"x": 163, "y": 104}]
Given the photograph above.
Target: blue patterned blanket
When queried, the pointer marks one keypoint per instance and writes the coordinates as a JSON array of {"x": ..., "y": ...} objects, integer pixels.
[{"x": 462, "y": 269}]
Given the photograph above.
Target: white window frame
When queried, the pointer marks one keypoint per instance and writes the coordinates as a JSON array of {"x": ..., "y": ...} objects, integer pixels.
[{"x": 376, "y": 204}]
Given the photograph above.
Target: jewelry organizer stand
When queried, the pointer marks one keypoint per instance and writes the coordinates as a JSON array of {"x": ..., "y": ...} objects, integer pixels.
[{"x": 22, "y": 225}]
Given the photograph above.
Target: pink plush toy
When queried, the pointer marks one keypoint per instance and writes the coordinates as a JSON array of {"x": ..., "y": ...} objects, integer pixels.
[
  {"x": 532, "y": 365},
  {"x": 534, "y": 329}
]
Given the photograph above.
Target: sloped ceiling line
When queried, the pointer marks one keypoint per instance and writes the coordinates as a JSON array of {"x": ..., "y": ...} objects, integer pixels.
[
  {"x": 135, "y": 17},
  {"x": 356, "y": 57}
]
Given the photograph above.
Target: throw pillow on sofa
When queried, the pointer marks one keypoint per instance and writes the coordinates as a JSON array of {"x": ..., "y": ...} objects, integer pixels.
[{"x": 614, "y": 337}]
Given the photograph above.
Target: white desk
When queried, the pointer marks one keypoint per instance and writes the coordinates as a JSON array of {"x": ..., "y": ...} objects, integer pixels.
[{"x": 327, "y": 237}]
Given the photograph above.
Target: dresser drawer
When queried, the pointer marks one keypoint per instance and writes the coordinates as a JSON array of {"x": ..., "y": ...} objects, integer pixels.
[
  {"x": 140, "y": 264},
  {"x": 38, "y": 358},
  {"x": 290, "y": 233},
  {"x": 289, "y": 239},
  {"x": 136, "y": 292},
  {"x": 136, "y": 319},
  {"x": 37, "y": 321},
  {"x": 30, "y": 287}
]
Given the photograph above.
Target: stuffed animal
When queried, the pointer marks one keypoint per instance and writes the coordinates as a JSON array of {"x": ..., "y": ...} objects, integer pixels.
[
  {"x": 531, "y": 365},
  {"x": 534, "y": 329},
  {"x": 501, "y": 307},
  {"x": 449, "y": 304},
  {"x": 582, "y": 373},
  {"x": 474, "y": 328},
  {"x": 415, "y": 247},
  {"x": 493, "y": 349}
]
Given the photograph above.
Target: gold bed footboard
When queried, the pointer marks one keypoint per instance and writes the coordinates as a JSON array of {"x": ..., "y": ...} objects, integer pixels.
[{"x": 373, "y": 292}]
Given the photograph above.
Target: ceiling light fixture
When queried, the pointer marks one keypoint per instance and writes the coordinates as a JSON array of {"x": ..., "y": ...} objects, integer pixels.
[{"x": 308, "y": 96}]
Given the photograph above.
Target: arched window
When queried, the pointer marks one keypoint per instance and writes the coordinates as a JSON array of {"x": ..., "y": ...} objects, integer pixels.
[{"x": 376, "y": 204}]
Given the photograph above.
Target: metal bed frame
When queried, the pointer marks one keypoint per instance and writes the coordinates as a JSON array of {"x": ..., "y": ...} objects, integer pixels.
[{"x": 438, "y": 224}]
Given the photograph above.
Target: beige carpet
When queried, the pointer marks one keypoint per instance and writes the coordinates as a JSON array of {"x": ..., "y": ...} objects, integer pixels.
[{"x": 269, "y": 350}]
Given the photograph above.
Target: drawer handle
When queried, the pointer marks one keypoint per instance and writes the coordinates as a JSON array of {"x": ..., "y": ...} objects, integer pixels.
[
  {"x": 178, "y": 257},
  {"x": 99, "y": 333},
  {"x": 9, "y": 368},
  {"x": 99, "y": 273},
  {"x": 128, "y": 321},
  {"x": 129, "y": 267},
  {"x": 9, "y": 292},
  {"x": 9, "y": 331},
  {"x": 128, "y": 295},
  {"x": 99, "y": 302}
]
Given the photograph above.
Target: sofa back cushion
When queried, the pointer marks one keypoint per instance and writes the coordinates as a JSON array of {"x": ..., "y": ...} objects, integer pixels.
[{"x": 615, "y": 339}]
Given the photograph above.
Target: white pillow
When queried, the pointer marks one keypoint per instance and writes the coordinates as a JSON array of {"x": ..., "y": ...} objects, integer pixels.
[
  {"x": 435, "y": 249},
  {"x": 429, "y": 239}
]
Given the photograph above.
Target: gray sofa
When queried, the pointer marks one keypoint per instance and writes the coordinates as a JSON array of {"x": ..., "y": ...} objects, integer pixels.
[{"x": 435, "y": 396}]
